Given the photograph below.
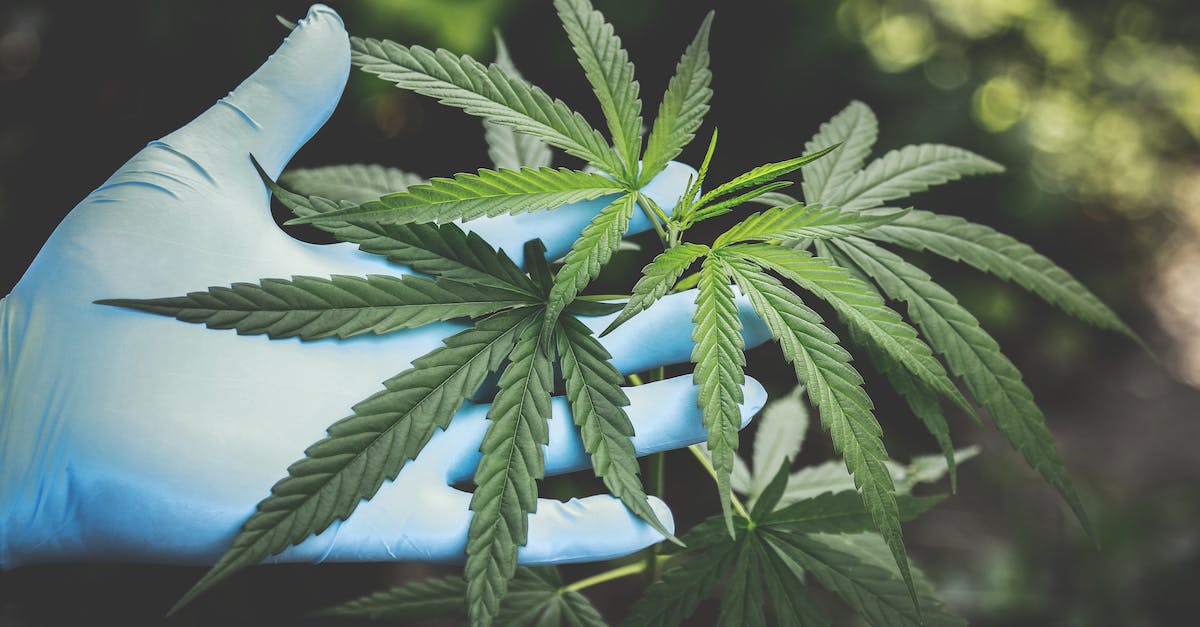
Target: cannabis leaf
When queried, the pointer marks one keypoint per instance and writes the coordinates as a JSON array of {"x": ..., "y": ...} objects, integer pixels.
[
  {"x": 594, "y": 391},
  {"x": 719, "y": 361},
  {"x": 536, "y": 597},
  {"x": 469, "y": 196},
  {"x": 854, "y": 129},
  {"x": 356, "y": 183},
  {"x": 607, "y": 67},
  {"x": 683, "y": 105},
  {"x": 342, "y": 306},
  {"x": 657, "y": 278},
  {"x": 489, "y": 92},
  {"x": 373, "y": 445},
  {"x": 507, "y": 475},
  {"x": 799, "y": 221},
  {"x": 901, "y": 173},
  {"x": 509, "y": 149}
]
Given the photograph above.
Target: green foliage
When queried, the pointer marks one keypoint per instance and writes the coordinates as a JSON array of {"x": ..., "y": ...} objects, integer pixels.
[{"x": 839, "y": 522}]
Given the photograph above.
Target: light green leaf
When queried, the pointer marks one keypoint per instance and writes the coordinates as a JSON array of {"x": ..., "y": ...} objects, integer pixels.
[
  {"x": 441, "y": 250},
  {"x": 718, "y": 375},
  {"x": 855, "y": 128},
  {"x": 841, "y": 512},
  {"x": 683, "y": 106},
  {"x": 836, "y": 389},
  {"x": 776, "y": 199},
  {"x": 488, "y": 92},
  {"x": 972, "y": 354},
  {"x": 991, "y": 251},
  {"x": 354, "y": 183},
  {"x": 800, "y": 221},
  {"x": 371, "y": 446},
  {"x": 861, "y": 307},
  {"x": 901, "y": 173},
  {"x": 862, "y": 576},
  {"x": 506, "y": 478},
  {"x": 670, "y": 600},
  {"x": 812, "y": 481},
  {"x": 509, "y": 149},
  {"x": 342, "y": 306},
  {"x": 657, "y": 278},
  {"x": 791, "y": 603},
  {"x": 589, "y": 253},
  {"x": 608, "y": 69},
  {"x": 742, "y": 603},
  {"x": 729, "y": 204},
  {"x": 597, "y": 401},
  {"x": 469, "y": 196},
  {"x": 760, "y": 175},
  {"x": 779, "y": 437}
]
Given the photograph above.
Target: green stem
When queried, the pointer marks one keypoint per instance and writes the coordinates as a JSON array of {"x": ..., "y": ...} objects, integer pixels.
[
  {"x": 733, "y": 498},
  {"x": 686, "y": 283},
  {"x": 658, "y": 227},
  {"x": 609, "y": 575}
]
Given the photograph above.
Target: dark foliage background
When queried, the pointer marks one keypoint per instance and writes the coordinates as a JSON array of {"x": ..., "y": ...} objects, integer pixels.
[{"x": 1094, "y": 106}]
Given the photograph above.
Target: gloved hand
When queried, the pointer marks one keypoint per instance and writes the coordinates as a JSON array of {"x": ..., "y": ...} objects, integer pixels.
[{"x": 131, "y": 437}]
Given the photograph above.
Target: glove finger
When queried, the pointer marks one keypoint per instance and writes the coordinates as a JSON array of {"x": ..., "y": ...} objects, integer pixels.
[
  {"x": 669, "y": 323},
  {"x": 271, "y": 114},
  {"x": 589, "y": 529}
]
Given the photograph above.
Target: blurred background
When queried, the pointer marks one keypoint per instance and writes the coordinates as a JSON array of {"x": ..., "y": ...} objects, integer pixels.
[{"x": 1094, "y": 106}]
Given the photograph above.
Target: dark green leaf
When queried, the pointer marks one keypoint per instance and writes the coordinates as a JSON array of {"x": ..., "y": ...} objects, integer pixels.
[
  {"x": 507, "y": 475},
  {"x": 343, "y": 306},
  {"x": 372, "y": 446},
  {"x": 742, "y": 604},
  {"x": 770, "y": 496},
  {"x": 842, "y": 512},
  {"x": 670, "y": 600},
  {"x": 597, "y": 405},
  {"x": 539, "y": 268},
  {"x": 426, "y": 598},
  {"x": 791, "y": 603}
]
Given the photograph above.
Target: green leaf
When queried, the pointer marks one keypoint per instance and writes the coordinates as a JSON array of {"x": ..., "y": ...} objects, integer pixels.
[
  {"x": 972, "y": 354},
  {"x": 861, "y": 307},
  {"x": 539, "y": 599},
  {"x": 776, "y": 199},
  {"x": 589, "y": 307},
  {"x": 904, "y": 172},
  {"x": 507, "y": 475},
  {"x": 760, "y": 175},
  {"x": 589, "y": 253},
  {"x": 509, "y": 149},
  {"x": 469, "y": 196},
  {"x": 487, "y": 92},
  {"x": 812, "y": 481},
  {"x": 608, "y": 69},
  {"x": 372, "y": 446},
  {"x": 991, "y": 251},
  {"x": 355, "y": 183},
  {"x": 683, "y": 106},
  {"x": 800, "y": 221},
  {"x": 441, "y": 250},
  {"x": 342, "y": 306},
  {"x": 923, "y": 402},
  {"x": 597, "y": 405},
  {"x": 657, "y": 278},
  {"x": 539, "y": 268},
  {"x": 835, "y": 387},
  {"x": 791, "y": 603},
  {"x": 670, "y": 600},
  {"x": 743, "y": 603},
  {"x": 779, "y": 437},
  {"x": 861, "y": 575},
  {"x": 718, "y": 375},
  {"x": 842, "y": 512},
  {"x": 770, "y": 495},
  {"x": 426, "y": 598},
  {"x": 725, "y": 206},
  {"x": 855, "y": 128}
]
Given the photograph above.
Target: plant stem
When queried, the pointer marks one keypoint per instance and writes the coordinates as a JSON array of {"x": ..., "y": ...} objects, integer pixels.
[
  {"x": 733, "y": 498},
  {"x": 609, "y": 575}
]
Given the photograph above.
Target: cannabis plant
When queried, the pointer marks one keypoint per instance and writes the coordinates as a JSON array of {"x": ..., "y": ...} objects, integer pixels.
[{"x": 525, "y": 328}]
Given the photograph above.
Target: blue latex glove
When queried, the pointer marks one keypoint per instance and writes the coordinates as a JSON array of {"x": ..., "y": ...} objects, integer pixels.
[{"x": 131, "y": 437}]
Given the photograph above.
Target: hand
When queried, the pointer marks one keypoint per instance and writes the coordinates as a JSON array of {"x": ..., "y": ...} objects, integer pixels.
[{"x": 131, "y": 437}]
